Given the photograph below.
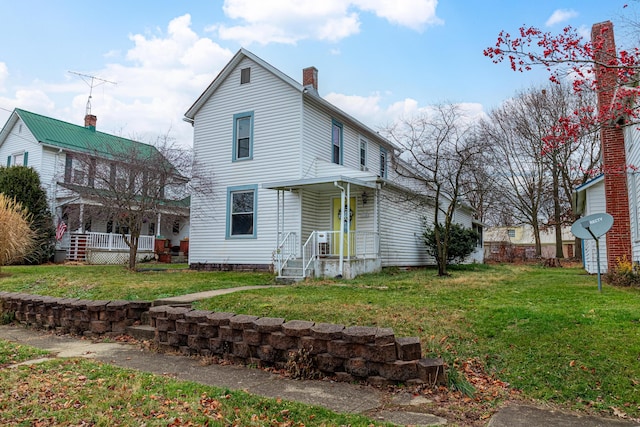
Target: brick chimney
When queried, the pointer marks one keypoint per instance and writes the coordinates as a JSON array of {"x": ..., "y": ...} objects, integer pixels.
[
  {"x": 614, "y": 160},
  {"x": 310, "y": 78},
  {"x": 90, "y": 122}
]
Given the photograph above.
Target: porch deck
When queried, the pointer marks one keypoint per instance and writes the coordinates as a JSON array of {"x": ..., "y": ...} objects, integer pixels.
[
  {"x": 104, "y": 248},
  {"x": 324, "y": 254}
]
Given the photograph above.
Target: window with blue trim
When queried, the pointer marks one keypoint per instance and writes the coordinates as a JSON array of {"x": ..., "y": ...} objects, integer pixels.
[
  {"x": 243, "y": 136},
  {"x": 18, "y": 159},
  {"x": 383, "y": 163},
  {"x": 241, "y": 211},
  {"x": 363, "y": 154},
  {"x": 336, "y": 142}
]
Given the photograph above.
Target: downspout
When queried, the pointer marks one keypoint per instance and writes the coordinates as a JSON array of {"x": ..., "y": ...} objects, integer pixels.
[
  {"x": 278, "y": 255},
  {"x": 341, "y": 263},
  {"x": 348, "y": 213}
]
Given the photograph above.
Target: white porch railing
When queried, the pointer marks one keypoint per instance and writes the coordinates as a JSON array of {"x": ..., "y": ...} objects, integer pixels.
[
  {"x": 287, "y": 249},
  {"x": 116, "y": 242},
  {"x": 357, "y": 244}
]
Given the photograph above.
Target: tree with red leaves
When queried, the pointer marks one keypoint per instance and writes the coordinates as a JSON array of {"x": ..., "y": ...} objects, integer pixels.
[{"x": 590, "y": 65}]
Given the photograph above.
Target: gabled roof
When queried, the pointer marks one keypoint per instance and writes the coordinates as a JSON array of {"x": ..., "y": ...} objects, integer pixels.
[
  {"x": 70, "y": 137},
  {"x": 231, "y": 65},
  {"x": 189, "y": 116}
]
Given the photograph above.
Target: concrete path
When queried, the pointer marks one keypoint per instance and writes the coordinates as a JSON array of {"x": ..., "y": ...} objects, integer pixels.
[
  {"x": 338, "y": 397},
  {"x": 189, "y": 298}
]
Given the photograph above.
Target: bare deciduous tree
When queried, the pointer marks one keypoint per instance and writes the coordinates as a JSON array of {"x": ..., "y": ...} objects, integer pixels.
[
  {"x": 441, "y": 149},
  {"x": 132, "y": 183},
  {"x": 539, "y": 182}
]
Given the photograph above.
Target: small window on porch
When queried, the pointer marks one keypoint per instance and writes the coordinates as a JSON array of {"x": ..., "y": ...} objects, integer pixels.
[
  {"x": 383, "y": 163},
  {"x": 363, "y": 154},
  {"x": 336, "y": 142}
]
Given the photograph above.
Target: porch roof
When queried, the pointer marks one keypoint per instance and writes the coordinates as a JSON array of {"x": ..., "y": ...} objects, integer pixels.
[
  {"x": 319, "y": 183},
  {"x": 79, "y": 194}
]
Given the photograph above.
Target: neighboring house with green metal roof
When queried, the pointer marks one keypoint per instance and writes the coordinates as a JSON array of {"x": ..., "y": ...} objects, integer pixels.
[{"x": 68, "y": 158}]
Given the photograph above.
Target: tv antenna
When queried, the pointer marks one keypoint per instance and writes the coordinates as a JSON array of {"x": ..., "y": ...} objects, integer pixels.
[{"x": 92, "y": 81}]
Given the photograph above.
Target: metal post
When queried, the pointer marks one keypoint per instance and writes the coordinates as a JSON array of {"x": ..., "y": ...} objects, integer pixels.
[
  {"x": 598, "y": 260},
  {"x": 597, "y": 256}
]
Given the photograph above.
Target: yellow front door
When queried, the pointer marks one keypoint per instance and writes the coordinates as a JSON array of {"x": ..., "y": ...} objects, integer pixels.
[{"x": 342, "y": 220}]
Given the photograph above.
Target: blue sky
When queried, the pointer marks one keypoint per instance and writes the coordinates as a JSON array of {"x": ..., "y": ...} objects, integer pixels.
[{"x": 377, "y": 59}]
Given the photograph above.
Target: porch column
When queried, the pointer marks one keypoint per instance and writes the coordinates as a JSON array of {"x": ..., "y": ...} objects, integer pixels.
[
  {"x": 158, "y": 229},
  {"x": 348, "y": 223},
  {"x": 376, "y": 213},
  {"x": 81, "y": 218},
  {"x": 278, "y": 220},
  {"x": 342, "y": 201}
]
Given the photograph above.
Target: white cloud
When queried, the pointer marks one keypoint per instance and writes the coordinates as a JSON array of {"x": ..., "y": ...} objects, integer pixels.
[
  {"x": 158, "y": 78},
  {"x": 414, "y": 14},
  {"x": 289, "y": 21},
  {"x": 370, "y": 111},
  {"x": 4, "y": 74},
  {"x": 584, "y": 32},
  {"x": 560, "y": 15}
]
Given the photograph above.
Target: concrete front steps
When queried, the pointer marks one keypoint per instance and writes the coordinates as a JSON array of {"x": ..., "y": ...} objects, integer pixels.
[{"x": 292, "y": 272}]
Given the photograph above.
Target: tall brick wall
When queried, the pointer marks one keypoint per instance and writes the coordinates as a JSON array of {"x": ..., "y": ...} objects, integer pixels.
[{"x": 613, "y": 150}]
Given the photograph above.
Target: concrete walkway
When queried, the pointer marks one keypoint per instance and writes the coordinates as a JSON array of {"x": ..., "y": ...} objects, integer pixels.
[
  {"x": 338, "y": 397},
  {"x": 189, "y": 298}
]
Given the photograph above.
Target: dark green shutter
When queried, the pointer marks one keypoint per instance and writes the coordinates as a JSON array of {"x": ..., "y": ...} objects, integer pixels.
[
  {"x": 26, "y": 157},
  {"x": 8, "y": 161}
]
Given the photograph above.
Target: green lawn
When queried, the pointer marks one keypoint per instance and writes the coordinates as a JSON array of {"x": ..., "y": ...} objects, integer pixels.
[
  {"x": 547, "y": 332},
  {"x": 115, "y": 282}
]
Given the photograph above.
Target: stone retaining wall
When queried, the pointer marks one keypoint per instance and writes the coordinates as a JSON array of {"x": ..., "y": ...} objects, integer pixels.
[
  {"x": 72, "y": 315},
  {"x": 347, "y": 353},
  {"x": 355, "y": 352}
]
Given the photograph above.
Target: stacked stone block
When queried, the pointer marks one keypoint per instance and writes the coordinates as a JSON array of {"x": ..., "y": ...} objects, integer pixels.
[
  {"x": 72, "y": 315},
  {"x": 348, "y": 353}
]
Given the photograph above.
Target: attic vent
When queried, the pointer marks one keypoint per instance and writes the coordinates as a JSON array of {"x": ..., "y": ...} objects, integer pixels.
[{"x": 245, "y": 75}]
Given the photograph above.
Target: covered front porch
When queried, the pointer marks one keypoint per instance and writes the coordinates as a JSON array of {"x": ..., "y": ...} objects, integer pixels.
[
  {"x": 327, "y": 227},
  {"x": 90, "y": 236}
]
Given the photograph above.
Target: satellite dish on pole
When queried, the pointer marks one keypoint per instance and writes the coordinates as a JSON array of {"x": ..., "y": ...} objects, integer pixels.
[{"x": 592, "y": 227}]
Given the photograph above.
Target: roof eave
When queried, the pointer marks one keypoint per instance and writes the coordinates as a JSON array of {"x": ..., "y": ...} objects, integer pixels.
[{"x": 224, "y": 73}]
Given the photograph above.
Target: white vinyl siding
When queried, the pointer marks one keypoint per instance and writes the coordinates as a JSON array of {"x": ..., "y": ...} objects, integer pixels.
[
  {"x": 596, "y": 203},
  {"x": 276, "y": 141},
  {"x": 632, "y": 145},
  {"x": 401, "y": 241}
]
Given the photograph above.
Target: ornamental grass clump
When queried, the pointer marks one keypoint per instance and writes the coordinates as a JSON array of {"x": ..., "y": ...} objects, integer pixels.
[
  {"x": 16, "y": 236},
  {"x": 625, "y": 274}
]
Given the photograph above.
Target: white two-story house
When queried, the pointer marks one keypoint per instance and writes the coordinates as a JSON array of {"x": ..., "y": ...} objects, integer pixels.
[
  {"x": 300, "y": 186},
  {"x": 68, "y": 159}
]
